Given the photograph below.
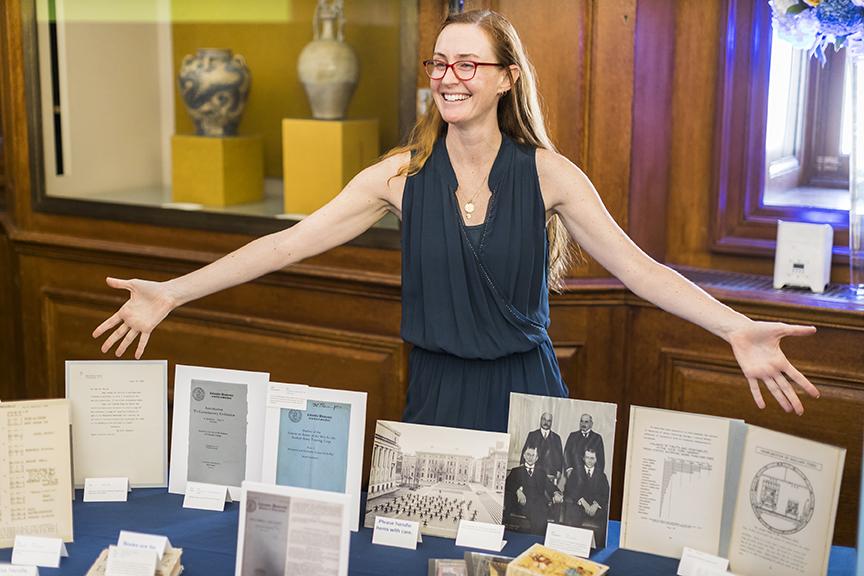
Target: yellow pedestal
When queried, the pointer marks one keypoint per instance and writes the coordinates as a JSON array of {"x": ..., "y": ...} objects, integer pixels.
[
  {"x": 217, "y": 171},
  {"x": 319, "y": 157}
]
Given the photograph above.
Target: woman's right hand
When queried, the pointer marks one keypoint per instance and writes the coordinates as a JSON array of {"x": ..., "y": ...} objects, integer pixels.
[{"x": 149, "y": 303}]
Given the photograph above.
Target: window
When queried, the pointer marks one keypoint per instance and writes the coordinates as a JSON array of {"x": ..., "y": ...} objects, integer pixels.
[{"x": 782, "y": 148}]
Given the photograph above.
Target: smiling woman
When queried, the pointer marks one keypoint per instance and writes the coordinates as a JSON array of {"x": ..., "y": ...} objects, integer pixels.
[{"x": 475, "y": 298}]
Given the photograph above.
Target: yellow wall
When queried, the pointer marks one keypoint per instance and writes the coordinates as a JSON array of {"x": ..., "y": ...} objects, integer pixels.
[{"x": 272, "y": 46}]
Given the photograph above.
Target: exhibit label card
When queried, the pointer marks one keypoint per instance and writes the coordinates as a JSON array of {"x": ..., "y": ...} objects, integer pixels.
[
  {"x": 131, "y": 562},
  {"x": 396, "y": 532},
  {"x": 106, "y": 489},
  {"x": 156, "y": 543},
  {"x": 480, "y": 535},
  {"x": 10, "y": 570},
  {"x": 35, "y": 470},
  {"x": 38, "y": 551},
  {"x": 206, "y": 496},
  {"x": 568, "y": 539},
  {"x": 696, "y": 563},
  {"x": 284, "y": 530},
  {"x": 119, "y": 408},
  {"x": 288, "y": 396}
]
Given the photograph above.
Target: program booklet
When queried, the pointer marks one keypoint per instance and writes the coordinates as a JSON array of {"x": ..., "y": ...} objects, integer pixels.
[
  {"x": 35, "y": 470},
  {"x": 763, "y": 499},
  {"x": 320, "y": 447}
]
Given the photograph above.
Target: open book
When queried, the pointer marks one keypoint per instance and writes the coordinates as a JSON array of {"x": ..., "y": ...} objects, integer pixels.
[{"x": 764, "y": 499}]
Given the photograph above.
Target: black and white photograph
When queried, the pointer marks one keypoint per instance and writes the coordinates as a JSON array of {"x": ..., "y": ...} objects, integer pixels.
[
  {"x": 436, "y": 476},
  {"x": 559, "y": 465}
]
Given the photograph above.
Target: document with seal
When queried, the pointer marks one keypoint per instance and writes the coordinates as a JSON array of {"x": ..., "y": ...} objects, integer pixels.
[
  {"x": 320, "y": 447},
  {"x": 284, "y": 530},
  {"x": 765, "y": 500},
  {"x": 786, "y": 506},
  {"x": 218, "y": 427},
  {"x": 35, "y": 470},
  {"x": 119, "y": 408}
]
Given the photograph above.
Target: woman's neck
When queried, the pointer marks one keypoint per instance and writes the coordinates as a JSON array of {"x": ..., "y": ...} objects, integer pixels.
[{"x": 472, "y": 148}]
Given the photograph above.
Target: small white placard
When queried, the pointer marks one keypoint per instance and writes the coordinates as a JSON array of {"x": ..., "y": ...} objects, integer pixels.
[
  {"x": 38, "y": 551},
  {"x": 131, "y": 562},
  {"x": 482, "y": 535},
  {"x": 696, "y": 563},
  {"x": 203, "y": 496},
  {"x": 396, "y": 532},
  {"x": 106, "y": 489},
  {"x": 568, "y": 539},
  {"x": 290, "y": 396},
  {"x": 158, "y": 544},
  {"x": 10, "y": 570}
]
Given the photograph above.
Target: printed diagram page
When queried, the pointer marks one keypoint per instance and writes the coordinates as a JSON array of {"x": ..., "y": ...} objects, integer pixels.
[
  {"x": 786, "y": 505},
  {"x": 674, "y": 484}
]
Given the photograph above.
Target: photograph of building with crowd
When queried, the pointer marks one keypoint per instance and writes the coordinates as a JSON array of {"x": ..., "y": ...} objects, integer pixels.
[{"x": 436, "y": 476}]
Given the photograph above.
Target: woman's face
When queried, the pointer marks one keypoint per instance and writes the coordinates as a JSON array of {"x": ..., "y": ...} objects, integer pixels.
[{"x": 458, "y": 100}]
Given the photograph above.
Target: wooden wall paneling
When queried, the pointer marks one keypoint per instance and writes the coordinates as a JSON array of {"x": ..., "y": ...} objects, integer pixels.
[
  {"x": 11, "y": 376},
  {"x": 652, "y": 124},
  {"x": 555, "y": 34},
  {"x": 610, "y": 108}
]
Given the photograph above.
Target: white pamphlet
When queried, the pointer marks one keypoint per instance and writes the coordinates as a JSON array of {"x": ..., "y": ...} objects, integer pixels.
[
  {"x": 482, "y": 535},
  {"x": 396, "y": 532},
  {"x": 106, "y": 489},
  {"x": 38, "y": 551},
  {"x": 217, "y": 434},
  {"x": 696, "y": 563},
  {"x": 284, "y": 530},
  {"x": 675, "y": 476},
  {"x": 131, "y": 562},
  {"x": 319, "y": 447},
  {"x": 154, "y": 542},
  {"x": 203, "y": 496},
  {"x": 289, "y": 396},
  {"x": 35, "y": 471},
  {"x": 119, "y": 407},
  {"x": 10, "y": 570},
  {"x": 569, "y": 539}
]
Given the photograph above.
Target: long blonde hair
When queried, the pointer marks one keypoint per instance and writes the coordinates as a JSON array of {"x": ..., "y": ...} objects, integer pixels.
[{"x": 520, "y": 117}]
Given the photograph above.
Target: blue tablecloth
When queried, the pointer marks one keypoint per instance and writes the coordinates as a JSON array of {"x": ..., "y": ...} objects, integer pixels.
[{"x": 209, "y": 542}]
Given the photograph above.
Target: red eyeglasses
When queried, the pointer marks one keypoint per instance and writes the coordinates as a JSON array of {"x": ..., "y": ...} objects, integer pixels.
[{"x": 463, "y": 69}]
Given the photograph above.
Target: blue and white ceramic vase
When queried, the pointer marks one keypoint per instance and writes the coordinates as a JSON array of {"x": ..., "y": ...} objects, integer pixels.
[
  {"x": 328, "y": 67},
  {"x": 215, "y": 85}
]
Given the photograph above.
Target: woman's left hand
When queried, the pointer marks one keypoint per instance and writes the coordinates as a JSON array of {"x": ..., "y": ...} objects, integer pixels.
[{"x": 757, "y": 349}]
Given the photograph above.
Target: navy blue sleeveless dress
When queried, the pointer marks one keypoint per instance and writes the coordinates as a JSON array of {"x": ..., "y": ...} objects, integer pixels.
[{"x": 475, "y": 302}]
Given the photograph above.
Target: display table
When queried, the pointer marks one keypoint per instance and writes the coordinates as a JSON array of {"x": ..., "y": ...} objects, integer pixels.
[{"x": 209, "y": 542}]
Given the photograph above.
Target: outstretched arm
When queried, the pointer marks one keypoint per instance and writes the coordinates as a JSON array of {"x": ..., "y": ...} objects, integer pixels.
[
  {"x": 756, "y": 345},
  {"x": 361, "y": 203}
]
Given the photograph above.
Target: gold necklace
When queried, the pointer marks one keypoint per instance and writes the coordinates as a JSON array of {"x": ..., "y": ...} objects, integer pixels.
[{"x": 469, "y": 207}]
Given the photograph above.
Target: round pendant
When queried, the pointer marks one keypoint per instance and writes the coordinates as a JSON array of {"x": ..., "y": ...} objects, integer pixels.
[{"x": 469, "y": 207}]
